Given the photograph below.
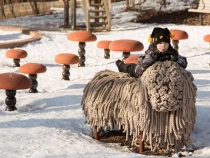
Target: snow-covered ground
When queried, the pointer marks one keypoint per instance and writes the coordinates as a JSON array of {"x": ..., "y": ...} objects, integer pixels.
[{"x": 51, "y": 124}]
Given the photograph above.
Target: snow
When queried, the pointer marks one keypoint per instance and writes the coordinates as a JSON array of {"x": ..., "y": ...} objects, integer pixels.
[
  {"x": 13, "y": 36},
  {"x": 51, "y": 123}
]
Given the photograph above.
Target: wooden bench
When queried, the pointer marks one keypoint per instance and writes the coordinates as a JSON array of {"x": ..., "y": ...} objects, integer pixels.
[{"x": 203, "y": 7}]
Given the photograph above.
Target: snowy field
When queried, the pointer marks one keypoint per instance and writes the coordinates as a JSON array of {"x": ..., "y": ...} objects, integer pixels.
[{"x": 51, "y": 124}]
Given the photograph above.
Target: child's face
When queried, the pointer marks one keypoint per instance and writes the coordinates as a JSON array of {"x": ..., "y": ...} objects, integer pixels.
[{"x": 162, "y": 47}]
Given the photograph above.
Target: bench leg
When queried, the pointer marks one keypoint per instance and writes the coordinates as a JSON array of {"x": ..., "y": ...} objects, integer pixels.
[
  {"x": 141, "y": 143},
  {"x": 96, "y": 133},
  {"x": 201, "y": 18}
]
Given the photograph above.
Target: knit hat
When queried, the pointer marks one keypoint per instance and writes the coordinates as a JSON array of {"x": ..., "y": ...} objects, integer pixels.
[{"x": 160, "y": 35}]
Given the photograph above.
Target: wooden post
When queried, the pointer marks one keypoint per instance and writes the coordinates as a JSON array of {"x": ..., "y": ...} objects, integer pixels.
[
  {"x": 201, "y": 18},
  {"x": 81, "y": 53},
  {"x": 10, "y": 100},
  {"x": 96, "y": 134},
  {"x": 141, "y": 143},
  {"x": 66, "y": 12},
  {"x": 73, "y": 14},
  {"x": 34, "y": 83}
]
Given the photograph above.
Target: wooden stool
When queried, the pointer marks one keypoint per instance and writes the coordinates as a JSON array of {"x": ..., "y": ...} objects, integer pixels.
[
  {"x": 11, "y": 82},
  {"x": 104, "y": 44},
  {"x": 32, "y": 69},
  {"x": 66, "y": 59},
  {"x": 81, "y": 37},
  {"x": 131, "y": 60},
  {"x": 126, "y": 46},
  {"x": 179, "y": 35},
  {"x": 16, "y": 55}
]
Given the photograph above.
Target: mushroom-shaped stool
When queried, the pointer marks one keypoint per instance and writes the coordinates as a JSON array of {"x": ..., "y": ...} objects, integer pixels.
[
  {"x": 16, "y": 55},
  {"x": 66, "y": 59},
  {"x": 104, "y": 44},
  {"x": 11, "y": 82},
  {"x": 81, "y": 37},
  {"x": 131, "y": 60},
  {"x": 179, "y": 35},
  {"x": 206, "y": 38},
  {"x": 126, "y": 46},
  {"x": 32, "y": 69}
]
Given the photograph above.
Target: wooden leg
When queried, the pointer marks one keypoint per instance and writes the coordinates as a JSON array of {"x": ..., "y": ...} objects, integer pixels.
[
  {"x": 16, "y": 62},
  {"x": 81, "y": 53},
  {"x": 141, "y": 143},
  {"x": 66, "y": 72},
  {"x": 175, "y": 44},
  {"x": 96, "y": 133},
  {"x": 106, "y": 53},
  {"x": 125, "y": 55},
  {"x": 10, "y": 100},
  {"x": 34, "y": 83}
]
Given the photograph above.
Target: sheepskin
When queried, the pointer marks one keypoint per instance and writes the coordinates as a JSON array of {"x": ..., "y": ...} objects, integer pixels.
[{"x": 161, "y": 103}]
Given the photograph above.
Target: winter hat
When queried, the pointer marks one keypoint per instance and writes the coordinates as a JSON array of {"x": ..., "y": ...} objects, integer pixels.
[{"x": 160, "y": 35}]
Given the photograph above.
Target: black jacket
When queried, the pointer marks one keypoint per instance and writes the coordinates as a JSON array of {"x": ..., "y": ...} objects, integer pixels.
[{"x": 152, "y": 55}]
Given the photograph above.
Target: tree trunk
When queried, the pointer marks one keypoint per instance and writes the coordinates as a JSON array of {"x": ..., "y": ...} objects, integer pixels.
[
  {"x": 162, "y": 3},
  {"x": 34, "y": 6},
  {"x": 2, "y": 9},
  {"x": 11, "y": 7}
]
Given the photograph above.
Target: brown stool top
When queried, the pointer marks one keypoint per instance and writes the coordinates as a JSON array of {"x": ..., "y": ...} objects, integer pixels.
[
  {"x": 126, "y": 45},
  {"x": 104, "y": 44},
  {"x": 81, "y": 36},
  {"x": 179, "y": 34},
  {"x": 67, "y": 59},
  {"x": 13, "y": 81},
  {"x": 206, "y": 38},
  {"x": 131, "y": 60},
  {"x": 16, "y": 53},
  {"x": 32, "y": 68}
]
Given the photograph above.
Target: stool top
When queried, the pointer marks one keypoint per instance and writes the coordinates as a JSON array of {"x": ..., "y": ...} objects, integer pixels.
[
  {"x": 131, "y": 60},
  {"x": 81, "y": 36},
  {"x": 126, "y": 45},
  {"x": 13, "y": 81},
  {"x": 32, "y": 68},
  {"x": 179, "y": 34},
  {"x": 104, "y": 44},
  {"x": 206, "y": 38},
  {"x": 16, "y": 53},
  {"x": 67, "y": 59}
]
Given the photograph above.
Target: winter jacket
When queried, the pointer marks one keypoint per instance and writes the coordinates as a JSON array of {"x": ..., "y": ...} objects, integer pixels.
[{"x": 151, "y": 56}]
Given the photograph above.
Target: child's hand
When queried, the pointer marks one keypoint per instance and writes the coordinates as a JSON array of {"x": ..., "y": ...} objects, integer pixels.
[
  {"x": 155, "y": 56},
  {"x": 168, "y": 56}
]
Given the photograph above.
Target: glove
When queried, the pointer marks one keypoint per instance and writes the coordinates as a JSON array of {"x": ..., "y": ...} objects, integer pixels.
[
  {"x": 155, "y": 56},
  {"x": 182, "y": 61},
  {"x": 168, "y": 56},
  {"x": 174, "y": 58}
]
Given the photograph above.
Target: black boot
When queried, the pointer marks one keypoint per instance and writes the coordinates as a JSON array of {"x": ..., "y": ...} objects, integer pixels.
[
  {"x": 127, "y": 68},
  {"x": 120, "y": 64},
  {"x": 130, "y": 69}
]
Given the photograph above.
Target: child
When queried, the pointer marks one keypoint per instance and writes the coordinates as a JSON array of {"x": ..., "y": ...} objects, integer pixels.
[{"x": 160, "y": 49}]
